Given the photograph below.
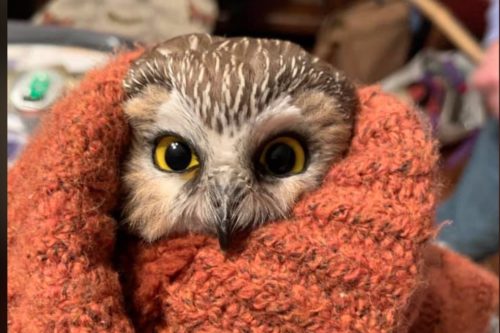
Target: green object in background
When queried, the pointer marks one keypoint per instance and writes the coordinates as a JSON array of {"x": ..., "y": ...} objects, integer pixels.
[{"x": 38, "y": 87}]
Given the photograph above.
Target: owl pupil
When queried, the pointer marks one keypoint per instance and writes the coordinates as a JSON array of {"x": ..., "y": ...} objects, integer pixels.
[
  {"x": 280, "y": 158},
  {"x": 178, "y": 156}
]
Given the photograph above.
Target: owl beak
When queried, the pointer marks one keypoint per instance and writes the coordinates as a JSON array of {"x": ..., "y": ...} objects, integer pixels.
[
  {"x": 226, "y": 197},
  {"x": 225, "y": 222},
  {"x": 224, "y": 235}
]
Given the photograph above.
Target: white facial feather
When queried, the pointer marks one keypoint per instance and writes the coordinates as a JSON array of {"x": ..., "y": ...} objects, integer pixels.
[{"x": 223, "y": 155}]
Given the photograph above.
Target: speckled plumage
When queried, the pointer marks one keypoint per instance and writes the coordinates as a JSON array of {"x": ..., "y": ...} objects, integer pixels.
[{"x": 227, "y": 81}]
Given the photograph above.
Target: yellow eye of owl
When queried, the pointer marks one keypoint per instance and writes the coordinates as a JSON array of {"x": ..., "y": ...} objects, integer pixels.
[
  {"x": 283, "y": 156},
  {"x": 173, "y": 154}
]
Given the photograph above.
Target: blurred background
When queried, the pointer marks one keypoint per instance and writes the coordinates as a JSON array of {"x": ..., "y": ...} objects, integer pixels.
[{"x": 439, "y": 55}]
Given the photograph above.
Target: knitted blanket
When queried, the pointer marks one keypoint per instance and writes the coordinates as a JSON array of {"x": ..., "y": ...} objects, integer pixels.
[{"x": 353, "y": 257}]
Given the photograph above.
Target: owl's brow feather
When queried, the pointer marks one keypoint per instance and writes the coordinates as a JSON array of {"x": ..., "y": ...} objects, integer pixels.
[{"x": 254, "y": 72}]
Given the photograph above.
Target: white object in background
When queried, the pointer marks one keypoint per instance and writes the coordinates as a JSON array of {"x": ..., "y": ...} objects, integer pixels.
[
  {"x": 75, "y": 60},
  {"x": 451, "y": 128},
  {"x": 21, "y": 91},
  {"x": 16, "y": 137},
  {"x": 149, "y": 21},
  {"x": 15, "y": 123}
]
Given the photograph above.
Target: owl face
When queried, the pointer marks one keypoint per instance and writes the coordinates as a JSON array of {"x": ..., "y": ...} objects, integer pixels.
[{"x": 227, "y": 134}]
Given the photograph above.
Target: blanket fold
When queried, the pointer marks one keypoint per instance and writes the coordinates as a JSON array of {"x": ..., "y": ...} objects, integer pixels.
[{"x": 353, "y": 257}]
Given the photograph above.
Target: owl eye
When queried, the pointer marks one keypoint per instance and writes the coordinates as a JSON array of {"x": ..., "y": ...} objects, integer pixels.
[
  {"x": 283, "y": 156},
  {"x": 173, "y": 154}
]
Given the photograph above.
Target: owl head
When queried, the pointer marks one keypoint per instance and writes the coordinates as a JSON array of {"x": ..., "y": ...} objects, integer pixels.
[{"x": 228, "y": 133}]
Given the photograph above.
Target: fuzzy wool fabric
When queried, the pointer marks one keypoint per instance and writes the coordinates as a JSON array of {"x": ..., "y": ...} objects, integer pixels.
[{"x": 353, "y": 257}]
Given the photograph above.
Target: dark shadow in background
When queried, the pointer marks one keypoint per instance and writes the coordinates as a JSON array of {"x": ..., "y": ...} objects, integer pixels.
[{"x": 22, "y": 9}]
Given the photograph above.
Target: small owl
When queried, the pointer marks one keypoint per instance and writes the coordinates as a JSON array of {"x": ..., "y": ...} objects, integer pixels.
[{"x": 228, "y": 133}]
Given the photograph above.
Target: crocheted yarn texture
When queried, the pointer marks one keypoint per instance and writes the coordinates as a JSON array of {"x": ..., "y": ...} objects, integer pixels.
[{"x": 353, "y": 257}]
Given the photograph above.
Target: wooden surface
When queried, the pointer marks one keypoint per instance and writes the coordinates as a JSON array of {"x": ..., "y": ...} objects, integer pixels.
[{"x": 444, "y": 20}]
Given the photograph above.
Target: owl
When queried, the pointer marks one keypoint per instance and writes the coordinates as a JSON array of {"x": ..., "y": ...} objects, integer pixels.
[{"x": 228, "y": 133}]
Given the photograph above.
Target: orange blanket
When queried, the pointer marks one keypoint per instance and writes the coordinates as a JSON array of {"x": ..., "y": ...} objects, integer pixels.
[{"x": 353, "y": 257}]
